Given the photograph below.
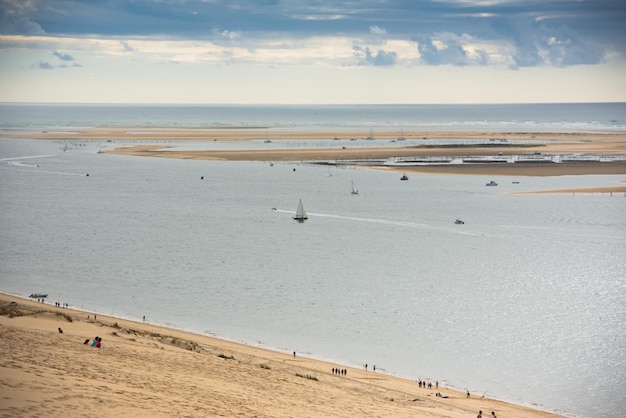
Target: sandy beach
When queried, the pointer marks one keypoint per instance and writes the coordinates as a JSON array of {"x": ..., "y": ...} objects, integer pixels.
[{"x": 147, "y": 370}]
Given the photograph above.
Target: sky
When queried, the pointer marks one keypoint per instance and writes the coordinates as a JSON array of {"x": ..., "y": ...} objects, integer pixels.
[{"x": 312, "y": 51}]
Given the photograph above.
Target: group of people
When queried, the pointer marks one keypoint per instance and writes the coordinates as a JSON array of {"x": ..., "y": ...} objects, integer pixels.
[
  {"x": 97, "y": 342},
  {"x": 340, "y": 372},
  {"x": 424, "y": 384},
  {"x": 480, "y": 414},
  {"x": 61, "y": 305}
]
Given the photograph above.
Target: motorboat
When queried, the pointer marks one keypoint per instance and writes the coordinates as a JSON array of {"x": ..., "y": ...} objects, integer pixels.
[
  {"x": 459, "y": 222},
  {"x": 491, "y": 183},
  {"x": 404, "y": 177}
]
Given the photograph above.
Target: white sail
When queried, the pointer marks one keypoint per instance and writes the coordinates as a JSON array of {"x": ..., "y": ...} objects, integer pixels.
[
  {"x": 301, "y": 215},
  {"x": 354, "y": 190}
]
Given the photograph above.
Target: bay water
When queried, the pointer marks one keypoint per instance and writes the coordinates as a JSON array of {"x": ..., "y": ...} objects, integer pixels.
[{"x": 524, "y": 302}]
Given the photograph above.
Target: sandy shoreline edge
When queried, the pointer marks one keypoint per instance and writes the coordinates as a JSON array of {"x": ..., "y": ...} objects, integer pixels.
[{"x": 149, "y": 370}]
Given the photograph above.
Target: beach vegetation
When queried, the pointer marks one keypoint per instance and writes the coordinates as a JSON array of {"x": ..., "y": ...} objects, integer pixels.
[
  {"x": 67, "y": 317},
  {"x": 225, "y": 357},
  {"x": 116, "y": 326},
  {"x": 307, "y": 376},
  {"x": 265, "y": 366},
  {"x": 11, "y": 311}
]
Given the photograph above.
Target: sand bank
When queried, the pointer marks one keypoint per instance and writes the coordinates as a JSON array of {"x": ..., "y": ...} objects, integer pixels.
[
  {"x": 133, "y": 141},
  {"x": 146, "y": 370}
]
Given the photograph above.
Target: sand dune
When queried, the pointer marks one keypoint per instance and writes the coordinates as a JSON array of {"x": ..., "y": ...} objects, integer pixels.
[{"x": 145, "y": 370}]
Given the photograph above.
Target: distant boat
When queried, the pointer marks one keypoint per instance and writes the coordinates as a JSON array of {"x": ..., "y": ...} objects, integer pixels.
[
  {"x": 371, "y": 137},
  {"x": 404, "y": 177},
  {"x": 491, "y": 183},
  {"x": 516, "y": 182},
  {"x": 354, "y": 191},
  {"x": 38, "y": 295},
  {"x": 459, "y": 222},
  {"x": 301, "y": 215},
  {"x": 401, "y": 137}
]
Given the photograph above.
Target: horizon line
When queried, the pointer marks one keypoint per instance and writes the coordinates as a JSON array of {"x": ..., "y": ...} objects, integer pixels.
[{"x": 299, "y": 104}]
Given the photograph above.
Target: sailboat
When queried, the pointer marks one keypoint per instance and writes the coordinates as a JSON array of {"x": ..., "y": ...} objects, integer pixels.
[
  {"x": 354, "y": 191},
  {"x": 401, "y": 137},
  {"x": 301, "y": 215}
]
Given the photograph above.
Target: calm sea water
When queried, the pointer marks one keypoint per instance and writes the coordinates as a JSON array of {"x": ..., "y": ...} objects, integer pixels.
[
  {"x": 506, "y": 118},
  {"x": 525, "y": 302}
]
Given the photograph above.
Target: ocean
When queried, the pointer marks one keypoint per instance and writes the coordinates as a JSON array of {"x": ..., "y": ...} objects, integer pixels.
[
  {"x": 569, "y": 117},
  {"x": 524, "y": 302}
]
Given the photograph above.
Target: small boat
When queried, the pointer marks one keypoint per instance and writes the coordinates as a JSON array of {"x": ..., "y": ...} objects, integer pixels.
[
  {"x": 301, "y": 215},
  {"x": 491, "y": 183},
  {"x": 401, "y": 137},
  {"x": 38, "y": 295},
  {"x": 354, "y": 191},
  {"x": 371, "y": 137},
  {"x": 516, "y": 182},
  {"x": 404, "y": 177},
  {"x": 459, "y": 222}
]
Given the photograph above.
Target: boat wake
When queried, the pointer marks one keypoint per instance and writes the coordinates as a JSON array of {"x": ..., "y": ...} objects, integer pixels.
[
  {"x": 20, "y": 164},
  {"x": 30, "y": 157},
  {"x": 380, "y": 221},
  {"x": 16, "y": 162}
]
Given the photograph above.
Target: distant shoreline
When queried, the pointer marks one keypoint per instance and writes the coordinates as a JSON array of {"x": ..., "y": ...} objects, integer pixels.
[{"x": 349, "y": 149}]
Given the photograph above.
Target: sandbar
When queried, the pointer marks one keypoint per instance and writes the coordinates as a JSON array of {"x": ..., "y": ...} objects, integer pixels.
[{"x": 151, "y": 141}]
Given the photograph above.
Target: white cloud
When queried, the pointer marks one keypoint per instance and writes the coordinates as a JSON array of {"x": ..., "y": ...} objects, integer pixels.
[{"x": 375, "y": 30}]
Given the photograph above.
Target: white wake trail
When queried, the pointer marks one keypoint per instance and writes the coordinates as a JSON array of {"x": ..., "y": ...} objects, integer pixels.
[{"x": 381, "y": 221}]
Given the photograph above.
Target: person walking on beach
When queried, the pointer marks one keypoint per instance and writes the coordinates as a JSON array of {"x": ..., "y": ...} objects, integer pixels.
[
  {"x": 493, "y": 414},
  {"x": 480, "y": 414}
]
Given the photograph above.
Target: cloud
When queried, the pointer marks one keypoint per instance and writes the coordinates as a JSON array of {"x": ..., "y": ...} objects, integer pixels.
[
  {"x": 63, "y": 57},
  {"x": 126, "y": 47},
  {"x": 14, "y": 18},
  {"x": 42, "y": 65},
  {"x": 504, "y": 33},
  {"x": 375, "y": 30},
  {"x": 380, "y": 58}
]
